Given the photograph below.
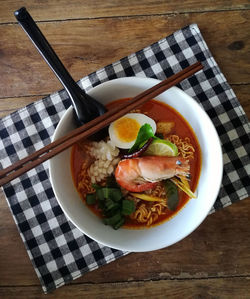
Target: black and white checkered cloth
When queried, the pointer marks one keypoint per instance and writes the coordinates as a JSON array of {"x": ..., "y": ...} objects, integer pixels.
[{"x": 58, "y": 250}]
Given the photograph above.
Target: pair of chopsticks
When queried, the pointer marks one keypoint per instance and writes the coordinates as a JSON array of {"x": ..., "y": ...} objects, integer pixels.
[{"x": 56, "y": 147}]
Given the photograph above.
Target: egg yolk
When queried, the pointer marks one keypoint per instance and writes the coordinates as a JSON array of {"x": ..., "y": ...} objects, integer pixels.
[{"x": 126, "y": 129}]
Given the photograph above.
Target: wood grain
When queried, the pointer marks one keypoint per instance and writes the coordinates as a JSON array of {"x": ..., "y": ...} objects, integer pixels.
[
  {"x": 53, "y": 10},
  {"x": 86, "y": 45},
  {"x": 9, "y": 105},
  {"x": 23, "y": 273},
  {"x": 199, "y": 288},
  {"x": 242, "y": 93},
  {"x": 214, "y": 261},
  {"x": 205, "y": 253}
]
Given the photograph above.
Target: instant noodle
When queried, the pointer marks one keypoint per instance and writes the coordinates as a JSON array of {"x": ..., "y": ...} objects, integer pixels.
[{"x": 96, "y": 162}]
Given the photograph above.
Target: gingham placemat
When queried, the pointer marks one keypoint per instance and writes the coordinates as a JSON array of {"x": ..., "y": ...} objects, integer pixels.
[{"x": 58, "y": 251}]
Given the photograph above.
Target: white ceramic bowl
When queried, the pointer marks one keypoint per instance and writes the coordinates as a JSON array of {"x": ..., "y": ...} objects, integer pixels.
[{"x": 193, "y": 213}]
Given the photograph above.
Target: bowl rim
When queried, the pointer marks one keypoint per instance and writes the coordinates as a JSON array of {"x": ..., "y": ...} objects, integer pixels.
[{"x": 152, "y": 247}]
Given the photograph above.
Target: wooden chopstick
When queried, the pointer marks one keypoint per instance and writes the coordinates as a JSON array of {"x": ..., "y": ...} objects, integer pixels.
[{"x": 56, "y": 147}]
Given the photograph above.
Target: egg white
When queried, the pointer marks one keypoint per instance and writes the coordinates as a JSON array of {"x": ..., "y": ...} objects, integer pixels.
[{"x": 140, "y": 118}]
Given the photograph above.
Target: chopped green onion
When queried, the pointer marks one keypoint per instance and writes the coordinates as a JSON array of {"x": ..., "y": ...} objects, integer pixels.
[
  {"x": 101, "y": 204},
  {"x": 111, "y": 212},
  {"x": 113, "y": 219},
  {"x": 106, "y": 192},
  {"x": 109, "y": 204},
  {"x": 110, "y": 201},
  {"x": 91, "y": 199},
  {"x": 113, "y": 193},
  {"x": 128, "y": 207},
  {"x": 119, "y": 224},
  {"x": 100, "y": 194},
  {"x": 96, "y": 186}
]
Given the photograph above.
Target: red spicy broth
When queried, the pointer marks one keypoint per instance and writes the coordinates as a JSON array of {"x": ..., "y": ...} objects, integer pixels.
[{"x": 159, "y": 112}]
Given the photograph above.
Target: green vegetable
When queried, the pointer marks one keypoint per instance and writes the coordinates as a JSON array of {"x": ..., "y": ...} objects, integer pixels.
[
  {"x": 96, "y": 186},
  {"x": 143, "y": 135},
  {"x": 109, "y": 213},
  {"x": 119, "y": 223},
  {"x": 172, "y": 195},
  {"x": 100, "y": 194},
  {"x": 101, "y": 205},
  {"x": 113, "y": 193},
  {"x": 109, "y": 204},
  {"x": 128, "y": 207},
  {"x": 113, "y": 219},
  {"x": 106, "y": 192},
  {"x": 110, "y": 201},
  {"x": 91, "y": 199}
]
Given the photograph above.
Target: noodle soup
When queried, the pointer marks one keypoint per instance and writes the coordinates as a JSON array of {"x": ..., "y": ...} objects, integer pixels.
[{"x": 144, "y": 201}]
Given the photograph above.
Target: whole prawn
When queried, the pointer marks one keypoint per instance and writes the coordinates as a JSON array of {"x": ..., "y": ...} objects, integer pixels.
[{"x": 143, "y": 173}]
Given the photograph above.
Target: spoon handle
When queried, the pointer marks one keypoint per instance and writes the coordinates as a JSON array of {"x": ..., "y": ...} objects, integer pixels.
[{"x": 86, "y": 108}]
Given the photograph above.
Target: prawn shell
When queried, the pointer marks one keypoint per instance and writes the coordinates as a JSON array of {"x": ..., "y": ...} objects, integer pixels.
[
  {"x": 143, "y": 173},
  {"x": 126, "y": 174}
]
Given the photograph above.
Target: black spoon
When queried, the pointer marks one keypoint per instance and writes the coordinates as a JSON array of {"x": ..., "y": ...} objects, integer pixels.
[{"x": 86, "y": 108}]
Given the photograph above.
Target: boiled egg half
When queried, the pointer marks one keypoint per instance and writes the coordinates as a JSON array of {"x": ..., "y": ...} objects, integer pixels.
[{"x": 123, "y": 131}]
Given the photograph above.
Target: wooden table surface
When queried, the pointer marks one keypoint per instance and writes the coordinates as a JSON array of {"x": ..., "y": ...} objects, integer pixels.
[{"x": 214, "y": 261}]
